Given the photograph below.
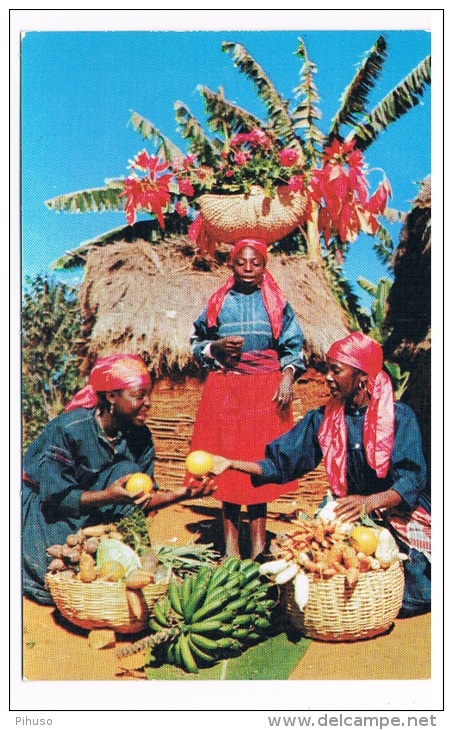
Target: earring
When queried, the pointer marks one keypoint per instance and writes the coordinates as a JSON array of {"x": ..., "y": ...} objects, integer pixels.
[{"x": 112, "y": 409}]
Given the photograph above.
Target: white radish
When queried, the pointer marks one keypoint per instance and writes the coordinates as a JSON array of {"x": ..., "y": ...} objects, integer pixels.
[
  {"x": 301, "y": 589},
  {"x": 286, "y": 574},
  {"x": 327, "y": 512},
  {"x": 273, "y": 567},
  {"x": 303, "y": 558}
]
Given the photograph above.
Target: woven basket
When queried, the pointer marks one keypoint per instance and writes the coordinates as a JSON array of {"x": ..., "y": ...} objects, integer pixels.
[
  {"x": 335, "y": 612},
  {"x": 101, "y": 604},
  {"x": 230, "y": 217}
]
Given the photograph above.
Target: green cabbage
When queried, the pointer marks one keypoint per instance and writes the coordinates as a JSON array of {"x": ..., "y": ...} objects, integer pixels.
[{"x": 111, "y": 549}]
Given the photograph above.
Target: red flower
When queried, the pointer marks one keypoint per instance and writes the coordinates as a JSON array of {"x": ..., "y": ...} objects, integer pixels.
[
  {"x": 189, "y": 161},
  {"x": 288, "y": 157},
  {"x": 176, "y": 163},
  {"x": 181, "y": 209},
  {"x": 149, "y": 193},
  {"x": 186, "y": 187},
  {"x": 256, "y": 138},
  {"x": 296, "y": 183},
  {"x": 378, "y": 201},
  {"x": 241, "y": 158},
  {"x": 341, "y": 188}
]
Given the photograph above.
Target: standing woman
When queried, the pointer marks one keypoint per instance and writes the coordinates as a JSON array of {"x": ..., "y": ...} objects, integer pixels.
[
  {"x": 75, "y": 471},
  {"x": 372, "y": 452},
  {"x": 249, "y": 339}
]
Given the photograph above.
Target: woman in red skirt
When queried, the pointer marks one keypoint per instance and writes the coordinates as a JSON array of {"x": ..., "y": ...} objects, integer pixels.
[{"x": 249, "y": 339}]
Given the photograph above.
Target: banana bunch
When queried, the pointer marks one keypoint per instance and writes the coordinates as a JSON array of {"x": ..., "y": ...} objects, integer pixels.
[{"x": 217, "y": 612}]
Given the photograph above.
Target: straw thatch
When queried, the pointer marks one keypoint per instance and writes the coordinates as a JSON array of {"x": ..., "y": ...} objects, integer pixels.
[
  {"x": 143, "y": 297},
  {"x": 409, "y": 310}
]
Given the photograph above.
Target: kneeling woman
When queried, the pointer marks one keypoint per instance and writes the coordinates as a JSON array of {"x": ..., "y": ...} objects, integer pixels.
[
  {"x": 75, "y": 471},
  {"x": 372, "y": 451}
]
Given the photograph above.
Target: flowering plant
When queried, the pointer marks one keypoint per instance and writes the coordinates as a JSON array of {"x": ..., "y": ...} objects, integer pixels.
[{"x": 336, "y": 193}]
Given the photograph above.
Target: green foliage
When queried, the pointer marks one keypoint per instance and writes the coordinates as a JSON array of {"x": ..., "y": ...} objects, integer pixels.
[
  {"x": 396, "y": 103},
  {"x": 51, "y": 325},
  {"x": 94, "y": 200},
  {"x": 134, "y": 529},
  {"x": 306, "y": 112},
  {"x": 399, "y": 378},
  {"x": 380, "y": 293},
  {"x": 378, "y": 330},
  {"x": 355, "y": 95},
  {"x": 280, "y": 121}
]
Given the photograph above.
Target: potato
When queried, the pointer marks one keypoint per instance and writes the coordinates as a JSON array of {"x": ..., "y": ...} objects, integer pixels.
[{"x": 138, "y": 579}]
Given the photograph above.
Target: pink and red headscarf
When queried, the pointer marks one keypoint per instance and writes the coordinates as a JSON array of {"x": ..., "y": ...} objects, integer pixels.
[
  {"x": 113, "y": 372},
  {"x": 363, "y": 353},
  {"x": 273, "y": 297}
]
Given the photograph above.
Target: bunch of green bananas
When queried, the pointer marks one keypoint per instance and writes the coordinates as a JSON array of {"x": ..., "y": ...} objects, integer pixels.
[{"x": 217, "y": 612}]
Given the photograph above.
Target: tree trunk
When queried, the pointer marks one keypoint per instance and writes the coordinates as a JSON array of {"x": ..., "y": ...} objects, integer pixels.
[{"x": 313, "y": 238}]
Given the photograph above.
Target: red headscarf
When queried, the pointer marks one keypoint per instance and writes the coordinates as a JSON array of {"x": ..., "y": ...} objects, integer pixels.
[
  {"x": 113, "y": 372},
  {"x": 363, "y": 353},
  {"x": 273, "y": 297}
]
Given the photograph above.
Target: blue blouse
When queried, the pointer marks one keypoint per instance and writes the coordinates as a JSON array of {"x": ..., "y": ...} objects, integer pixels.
[
  {"x": 298, "y": 452},
  {"x": 70, "y": 456},
  {"x": 245, "y": 315}
]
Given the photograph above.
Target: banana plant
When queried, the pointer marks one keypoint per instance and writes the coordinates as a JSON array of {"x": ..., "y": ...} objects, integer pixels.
[
  {"x": 294, "y": 124},
  {"x": 378, "y": 331}
]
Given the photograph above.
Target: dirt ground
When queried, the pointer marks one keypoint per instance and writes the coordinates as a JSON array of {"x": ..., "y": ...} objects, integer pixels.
[{"x": 54, "y": 649}]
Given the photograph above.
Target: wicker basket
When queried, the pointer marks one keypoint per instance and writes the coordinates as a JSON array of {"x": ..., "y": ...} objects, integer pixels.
[
  {"x": 230, "y": 217},
  {"x": 101, "y": 604},
  {"x": 335, "y": 612}
]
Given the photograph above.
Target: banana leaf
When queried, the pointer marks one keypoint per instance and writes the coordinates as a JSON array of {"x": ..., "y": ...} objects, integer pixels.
[{"x": 275, "y": 658}]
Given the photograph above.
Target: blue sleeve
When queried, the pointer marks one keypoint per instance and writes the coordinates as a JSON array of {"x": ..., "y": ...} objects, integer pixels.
[
  {"x": 200, "y": 339},
  {"x": 290, "y": 343},
  {"x": 147, "y": 459},
  {"x": 56, "y": 473},
  {"x": 408, "y": 467},
  {"x": 293, "y": 454}
]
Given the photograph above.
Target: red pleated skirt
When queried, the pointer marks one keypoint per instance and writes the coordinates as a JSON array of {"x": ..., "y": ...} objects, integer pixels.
[{"x": 236, "y": 419}]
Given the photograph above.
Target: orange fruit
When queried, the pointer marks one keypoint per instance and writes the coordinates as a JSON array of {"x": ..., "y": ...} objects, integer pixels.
[
  {"x": 199, "y": 463},
  {"x": 112, "y": 570},
  {"x": 139, "y": 483},
  {"x": 364, "y": 539}
]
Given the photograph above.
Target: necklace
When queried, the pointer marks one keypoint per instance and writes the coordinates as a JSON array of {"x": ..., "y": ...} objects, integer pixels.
[{"x": 111, "y": 439}]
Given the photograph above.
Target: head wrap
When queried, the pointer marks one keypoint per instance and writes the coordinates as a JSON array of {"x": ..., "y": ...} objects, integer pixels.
[
  {"x": 273, "y": 297},
  {"x": 364, "y": 353},
  {"x": 113, "y": 372}
]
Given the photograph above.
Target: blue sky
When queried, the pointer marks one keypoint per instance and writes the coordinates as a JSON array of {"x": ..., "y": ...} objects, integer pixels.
[{"x": 79, "y": 87}]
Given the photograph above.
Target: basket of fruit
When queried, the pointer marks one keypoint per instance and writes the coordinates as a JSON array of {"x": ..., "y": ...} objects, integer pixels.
[
  {"x": 339, "y": 582},
  {"x": 109, "y": 576}
]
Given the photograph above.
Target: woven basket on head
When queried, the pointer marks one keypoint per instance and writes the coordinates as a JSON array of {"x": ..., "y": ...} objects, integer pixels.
[
  {"x": 335, "y": 612},
  {"x": 230, "y": 217},
  {"x": 102, "y": 604}
]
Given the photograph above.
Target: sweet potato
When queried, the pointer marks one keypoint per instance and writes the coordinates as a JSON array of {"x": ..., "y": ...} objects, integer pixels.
[
  {"x": 101, "y": 638},
  {"x": 136, "y": 603}
]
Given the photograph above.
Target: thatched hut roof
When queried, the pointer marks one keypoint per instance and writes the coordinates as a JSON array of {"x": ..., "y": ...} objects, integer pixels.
[{"x": 144, "y": 297}]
